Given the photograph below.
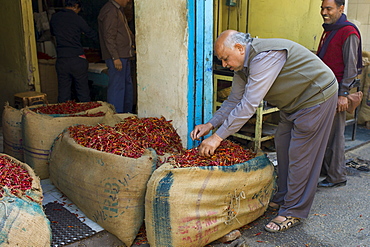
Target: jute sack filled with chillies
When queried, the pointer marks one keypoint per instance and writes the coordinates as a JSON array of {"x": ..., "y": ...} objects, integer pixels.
[
  {"x": 40, "y": 129},
  {"x": 24, "y": 222},
  {"x": 12, "y": 132},
  {"x": 190, "y": 205},
  {"x": 109, "y": 188},
  {"x": 12, "y": 129},
  {"x": 364, "y": 109}
]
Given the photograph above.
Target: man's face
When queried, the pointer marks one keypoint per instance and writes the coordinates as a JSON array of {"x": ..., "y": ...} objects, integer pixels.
[
  {"x": 330, "y": 12},
  {"x": 123, "y": 3},
  {"x": 231, "y": 58}
]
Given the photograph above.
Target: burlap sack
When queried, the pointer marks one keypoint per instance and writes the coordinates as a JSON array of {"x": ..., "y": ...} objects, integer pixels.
[
  {"x": 354, "y": 100},
  {"x": 12, "y": 132},
  {"x": 108, "y": 188},
  {"x": 24, "y": 222},
  {"x": 195, "y": 206},
  {"x": 40, "y": 130},
  {"x": 112, "y": 119},
  {"x": 364, "y": 110}
]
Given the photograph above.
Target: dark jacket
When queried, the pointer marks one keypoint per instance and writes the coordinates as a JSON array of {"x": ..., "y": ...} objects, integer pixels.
[
  {"x": 67, "y": 27},
  {"x": 114, "y": 32}
]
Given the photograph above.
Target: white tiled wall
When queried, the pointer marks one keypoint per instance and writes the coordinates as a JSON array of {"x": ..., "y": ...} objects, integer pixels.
[{"x": 358, "y": 11}]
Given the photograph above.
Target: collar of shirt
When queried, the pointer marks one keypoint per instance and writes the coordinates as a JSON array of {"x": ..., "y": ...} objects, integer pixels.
[
  {"x": 68, "y": 10},
  {"x": 115, "y": 4}
]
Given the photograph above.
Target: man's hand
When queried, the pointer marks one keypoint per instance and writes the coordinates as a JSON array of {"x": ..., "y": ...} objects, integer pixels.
[
  {"x": 342, "y": 104},
  {"x": 117, "y": 64},
  {"x": 209, "y": 145},
  {"x": 200, "y": 130}
]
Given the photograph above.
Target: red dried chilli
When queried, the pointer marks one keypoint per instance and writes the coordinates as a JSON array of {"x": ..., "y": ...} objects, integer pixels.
[
  {"x": 14, "y": 177},
  {"x": 106, "y": 139},
  {"x": 151, "y": 132},
  {"x": 69, "y": 107},
  {"x": 227, "y": 154},
  {"x": 141, "y": 237}
]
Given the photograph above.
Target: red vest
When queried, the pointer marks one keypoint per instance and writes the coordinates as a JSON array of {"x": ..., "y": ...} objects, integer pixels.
[{"x": 334, "y": 54}]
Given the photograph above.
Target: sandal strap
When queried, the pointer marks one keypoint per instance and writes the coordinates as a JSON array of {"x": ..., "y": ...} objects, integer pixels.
[{"x": 287, "y": 223}]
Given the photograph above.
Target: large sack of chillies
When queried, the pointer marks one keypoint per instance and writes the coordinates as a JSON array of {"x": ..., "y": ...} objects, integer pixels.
[
  {"x": 12, "y": 132},
  {"x": 104, "y": 169},
  {"x": 23, "y": 221},
  {"x": 41, "y": 125},
  {"x": 364, "y": 109},
  {"x": 193, "y": 200},
  {"x": 108, "y": 187}
]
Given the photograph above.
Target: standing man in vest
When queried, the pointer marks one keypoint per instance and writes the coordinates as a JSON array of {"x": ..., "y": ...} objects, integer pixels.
[
  {"x": 116, "y": 42},
  {"x": 295, "y": 80},
  {"x": 340, "y": 49},
  {"x": 71, "y": 65}
]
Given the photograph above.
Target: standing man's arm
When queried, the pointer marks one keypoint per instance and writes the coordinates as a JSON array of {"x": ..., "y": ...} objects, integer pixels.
[
  {"x": 53, "y": 39},
  {"x": 87, "y": 30},
  {"x": 110, "y": 26},
  {"x": 350, "y": 58}
]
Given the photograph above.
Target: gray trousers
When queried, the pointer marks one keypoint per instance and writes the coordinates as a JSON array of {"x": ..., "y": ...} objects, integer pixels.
[
  {"x": 300, "y": 142},
  {"x": 334, "y": 165}
]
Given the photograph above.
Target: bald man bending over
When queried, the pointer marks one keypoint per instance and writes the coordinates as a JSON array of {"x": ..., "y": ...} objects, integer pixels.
[{"x": 291, "y": 77}]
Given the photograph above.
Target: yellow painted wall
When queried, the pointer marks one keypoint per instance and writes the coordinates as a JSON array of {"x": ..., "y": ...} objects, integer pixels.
[
  {"x": 230, "y": 17},
  {"x": 297, "y": 20},
  {"x": 18, "y": 63}
]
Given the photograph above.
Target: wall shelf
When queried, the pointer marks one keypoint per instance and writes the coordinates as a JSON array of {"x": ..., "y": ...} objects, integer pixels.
[{"x": 261, "y": 131}]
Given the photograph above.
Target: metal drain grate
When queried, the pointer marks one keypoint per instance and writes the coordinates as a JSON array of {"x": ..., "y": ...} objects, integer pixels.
[{"x": 65, "y": 226}]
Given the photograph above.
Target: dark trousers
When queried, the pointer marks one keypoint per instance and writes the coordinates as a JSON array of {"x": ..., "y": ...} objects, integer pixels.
[
  {"x": 72, "y": 75},
  {"x": 120, "y": 91},
  {"x": 334, "y": 165},
  {"x": 300, "y": 141}
]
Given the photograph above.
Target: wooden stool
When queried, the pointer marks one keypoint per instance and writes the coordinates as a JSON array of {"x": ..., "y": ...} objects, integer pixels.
[{"x": 29, "y": 98}]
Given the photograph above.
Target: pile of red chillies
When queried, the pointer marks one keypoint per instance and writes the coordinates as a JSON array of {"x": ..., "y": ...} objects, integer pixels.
[
  {"x": 106, "y": 139},
  {"x": 151, "y": 132},
  {"x": 141, "y": 237},
  {"x": 227, "y": 154},
  {"x": 69, "y": 107},
  {"x": 131, "y": 137},
  {"x": 14, "y": 177}
]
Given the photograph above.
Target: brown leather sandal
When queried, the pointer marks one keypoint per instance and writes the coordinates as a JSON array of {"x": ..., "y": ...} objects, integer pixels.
[{"x": 289, "y": 222}]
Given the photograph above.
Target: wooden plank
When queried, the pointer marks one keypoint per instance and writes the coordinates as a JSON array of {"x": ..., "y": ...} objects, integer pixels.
[
  {"x": 208, "y": 60},
  {"x": 191, "y": 74}
]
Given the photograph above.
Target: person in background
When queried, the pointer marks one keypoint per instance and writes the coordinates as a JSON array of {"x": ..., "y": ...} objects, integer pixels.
[
  {"x": 71, "y": 65},
  {"x": 340, "y": 49},
  {"x": 116, "y": 42},
  {"x": 291, "y": 77}
]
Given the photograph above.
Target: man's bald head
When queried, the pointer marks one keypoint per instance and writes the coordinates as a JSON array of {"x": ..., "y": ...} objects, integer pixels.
[
  {"x": 220, "y": 41},
  {"x": 230, "y": 48}
]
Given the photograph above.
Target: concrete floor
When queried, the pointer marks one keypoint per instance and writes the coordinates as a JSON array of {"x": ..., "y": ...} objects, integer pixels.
[{"x": 339, "y": 216}]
